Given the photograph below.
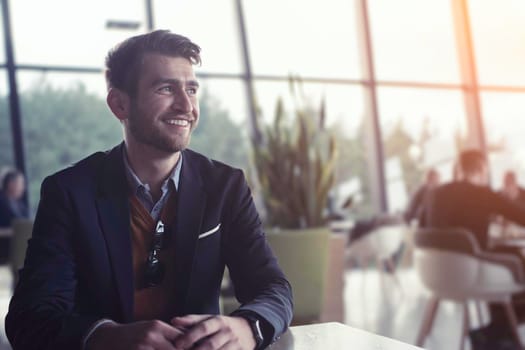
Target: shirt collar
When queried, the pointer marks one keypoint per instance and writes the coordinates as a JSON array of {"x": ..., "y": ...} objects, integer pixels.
[{"x": 135, "y": 184}]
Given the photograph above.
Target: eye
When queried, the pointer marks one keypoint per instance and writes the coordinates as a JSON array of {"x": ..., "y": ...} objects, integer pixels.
[
  {"x": 191, "y": 91},
  {"x": 168, "y": 89}
]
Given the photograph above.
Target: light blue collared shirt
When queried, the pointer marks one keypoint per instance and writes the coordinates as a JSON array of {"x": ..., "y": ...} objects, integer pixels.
[{"x": 143, "y": 191}]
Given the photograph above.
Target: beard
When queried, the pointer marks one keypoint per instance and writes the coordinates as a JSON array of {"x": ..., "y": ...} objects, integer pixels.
[{"x": 145, "y": 132}]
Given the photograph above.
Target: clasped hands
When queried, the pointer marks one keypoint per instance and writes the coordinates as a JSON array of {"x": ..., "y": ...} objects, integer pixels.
[{"x": 195, "y": 332}]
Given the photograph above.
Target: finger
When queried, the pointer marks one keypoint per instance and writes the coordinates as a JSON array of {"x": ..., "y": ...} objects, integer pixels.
[
  {"x": 189, "y": 320},
  {"x": 215, "y": 341},
  {"x": 198, "y": 332},
  {"x": 171, "y": 333},
  {"x": 166, "y": 333},
  {"x": 231, "y": 345}
]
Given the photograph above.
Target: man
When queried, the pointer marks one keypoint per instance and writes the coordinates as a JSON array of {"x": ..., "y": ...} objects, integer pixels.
[
  {"x": 416, "y": 207},
  {"x": 11, "y": 204},
  {"x": 511, "y": 188},
  {"x": 468, "y": 202},
  {"x": 129, "y": 246}
]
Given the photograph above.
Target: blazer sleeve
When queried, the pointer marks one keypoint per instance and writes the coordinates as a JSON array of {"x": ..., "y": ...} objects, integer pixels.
[
  {"x": 41, "y": 312},
  {"x": 259, "y": 283}
]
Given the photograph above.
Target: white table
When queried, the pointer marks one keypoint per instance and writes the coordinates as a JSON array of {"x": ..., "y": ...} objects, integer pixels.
[{"x": 335, "y": 336}]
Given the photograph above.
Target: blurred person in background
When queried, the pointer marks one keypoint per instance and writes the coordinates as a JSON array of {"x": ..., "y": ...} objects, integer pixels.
[
  {"x": 12, "y": 204},
  {"x": 514, "y": 192},
  {"x": 468, "y": 202},
  {"x": 511, "y": 188},
  {"x": 416, "y": 207}
]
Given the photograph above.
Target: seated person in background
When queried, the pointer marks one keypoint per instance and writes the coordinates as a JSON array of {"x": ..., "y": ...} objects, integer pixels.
[
  {"x": 515, "y": 193},
  {"x": 470, "y": 203},
  {"x": 511, "y": 189},
  {"x": 416, "y": 206},
  {"x": 11, "y": 202}
]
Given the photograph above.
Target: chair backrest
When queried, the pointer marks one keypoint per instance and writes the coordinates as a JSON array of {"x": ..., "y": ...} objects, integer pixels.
[
  {"x": 445, "y": 261},
  {"x": 22, "y": 231},
  {"x": 388, "y": 239},
  {"x": 457, "y": 240},
  {"x": 451, "y": 264},
  {"x": 303, "y": 256}
]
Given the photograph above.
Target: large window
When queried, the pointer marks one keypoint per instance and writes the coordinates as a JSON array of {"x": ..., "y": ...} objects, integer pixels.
[
  {"x": 212, "y": 24},
  {"x": 499, "y": 41},
  {"x": 71, "y": 33},
  {"x": 308, "y": 38},
  {"x": 421, "y": 128},
  {"x": 63, "y": 123},
  {"x": 6, "y": 137},
  {"x": 413, "y": 40},
  {"x": 504, "y": 114},
  {"x": 2, "y": 44}
]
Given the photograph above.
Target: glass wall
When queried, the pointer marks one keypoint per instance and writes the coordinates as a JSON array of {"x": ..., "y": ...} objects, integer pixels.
[
  {"x": 421, "y": 107},
  {"x": 421, "y": 129},
  {"x": 212, "y": 24},
  {"x": 414, "y": 41},
  {"x": 499, "y": 41},
  {"x": 2, "y": 44},
  {"x": 504, "y": 114},
  {"x": 64, "y": 120},
  {"x": 6, "y": 138},
  {"x": 305, "y": 38},
  {"x": 69, "y": 33}
]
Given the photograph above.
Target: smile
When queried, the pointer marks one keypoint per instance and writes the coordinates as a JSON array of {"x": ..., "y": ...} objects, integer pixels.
[{"x": 178, "y": 122}]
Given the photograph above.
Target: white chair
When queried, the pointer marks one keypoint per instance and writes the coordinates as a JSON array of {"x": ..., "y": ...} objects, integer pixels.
[
  {"x": 452, "y": 266},
  {"x": 380, "y": 245}
]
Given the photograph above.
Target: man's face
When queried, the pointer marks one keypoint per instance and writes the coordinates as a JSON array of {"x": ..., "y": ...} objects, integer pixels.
[{"x": 165, "y": 110}]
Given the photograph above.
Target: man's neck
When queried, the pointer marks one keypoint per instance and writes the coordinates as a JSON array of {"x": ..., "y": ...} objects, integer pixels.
[{"x": 151, "y": 166}]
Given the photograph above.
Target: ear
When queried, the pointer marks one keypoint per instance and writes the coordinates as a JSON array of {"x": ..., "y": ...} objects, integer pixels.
[{"x": 118, "y": 101}]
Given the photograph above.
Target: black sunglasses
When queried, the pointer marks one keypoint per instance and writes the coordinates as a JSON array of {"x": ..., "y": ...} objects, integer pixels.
[{"x": 154, "y": 272}]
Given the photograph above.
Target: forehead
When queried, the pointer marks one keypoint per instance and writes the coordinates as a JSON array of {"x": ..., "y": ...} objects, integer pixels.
[{"x": 157, "y": 66}]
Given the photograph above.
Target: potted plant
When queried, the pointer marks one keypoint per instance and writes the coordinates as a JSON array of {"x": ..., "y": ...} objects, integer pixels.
[{"x": 295, "y": 167}]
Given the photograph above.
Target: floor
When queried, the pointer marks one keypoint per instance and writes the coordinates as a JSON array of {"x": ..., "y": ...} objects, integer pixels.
[
  {"x": 377, "y": 303},
  {"x": 374, "y": 302}
]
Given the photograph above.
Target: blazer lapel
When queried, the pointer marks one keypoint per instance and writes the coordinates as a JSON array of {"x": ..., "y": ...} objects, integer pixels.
[
  {"x": 113, "y": 210},
  {"x": 191, "y": 203}
]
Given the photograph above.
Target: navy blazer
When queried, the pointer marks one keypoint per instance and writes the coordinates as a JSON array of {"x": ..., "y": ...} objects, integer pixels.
[{"x": 78, "y": 267}]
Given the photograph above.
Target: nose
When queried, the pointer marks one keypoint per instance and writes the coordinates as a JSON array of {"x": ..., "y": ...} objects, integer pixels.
[{"x": 182, "y": 103}]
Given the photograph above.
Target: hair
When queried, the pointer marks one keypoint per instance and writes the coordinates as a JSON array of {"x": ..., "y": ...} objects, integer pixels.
[
  {"x": 124, "y": 60},
  {"x": 10, "y": 176},
  {"x": 471, "y": 162}
]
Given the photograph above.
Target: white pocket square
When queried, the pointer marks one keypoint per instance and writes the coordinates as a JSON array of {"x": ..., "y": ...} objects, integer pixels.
[{"x": 210, "y": 232}]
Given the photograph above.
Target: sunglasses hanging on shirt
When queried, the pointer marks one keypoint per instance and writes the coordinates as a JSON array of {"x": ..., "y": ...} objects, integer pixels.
[{"x": 154, "y": 271}]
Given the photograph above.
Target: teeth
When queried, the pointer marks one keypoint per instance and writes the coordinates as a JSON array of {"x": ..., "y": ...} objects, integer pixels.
[{"x": 180, "y": 122}]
